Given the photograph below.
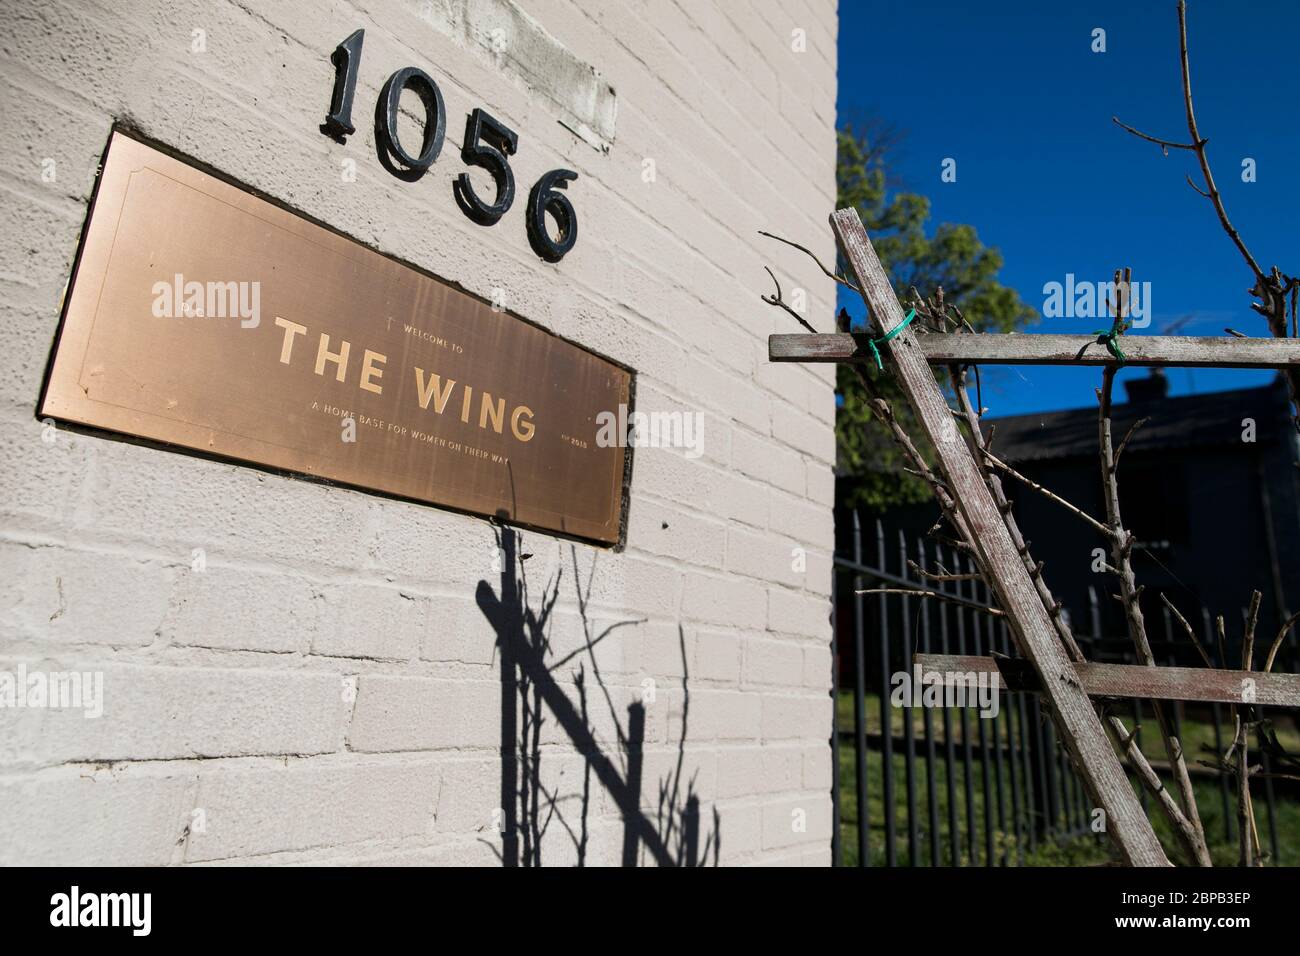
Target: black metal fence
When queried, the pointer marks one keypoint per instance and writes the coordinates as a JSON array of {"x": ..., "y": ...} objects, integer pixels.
[{"x": 917, "y": 786}]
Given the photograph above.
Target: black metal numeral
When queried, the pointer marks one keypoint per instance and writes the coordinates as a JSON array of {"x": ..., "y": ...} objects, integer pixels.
[
  {"x": 544, "y": 198},
  {"x": 435, "y": 122},
  {"x": 346, "y": 59},
  {"x": 487, "y": 144}
]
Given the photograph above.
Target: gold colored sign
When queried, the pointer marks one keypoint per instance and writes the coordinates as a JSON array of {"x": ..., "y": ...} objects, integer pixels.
[{"x": 202, "y": 316}]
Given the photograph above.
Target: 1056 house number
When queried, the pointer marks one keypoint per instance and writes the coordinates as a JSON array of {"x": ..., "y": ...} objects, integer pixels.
[{"x": 488, "y": 143}]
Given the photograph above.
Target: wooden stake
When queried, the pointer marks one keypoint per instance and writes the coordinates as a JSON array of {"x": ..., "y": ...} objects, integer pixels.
[
  {"x": 1133, "y": 681},
  {"x": 1080, "y": 728},
  {"x": 1169, "y": 351}
]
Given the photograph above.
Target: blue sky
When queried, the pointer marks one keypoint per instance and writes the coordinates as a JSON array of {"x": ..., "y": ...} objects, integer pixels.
[{"x": 1013, "y": 92}]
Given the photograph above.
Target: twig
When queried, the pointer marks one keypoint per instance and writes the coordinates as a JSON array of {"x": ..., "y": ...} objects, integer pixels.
[
  {"x": 1248, "y": 640},
  {"x": 1136, "y": 759},
  {"x": 1045, "y": 492},
  {"x": 962, "y": 320},
  {"x": 938, "y": 595},
  {"x": 948, "y": 541},
  {"x": 1164, "y": 144},
  {"x": 1128, "y": 435},
  {"x": 979, "y": 448},
  {"x": 1221, "y": 632},
  {"x": 1241, "y": 744},
  {"x": 917, "y": 473},
  {"x": 777, "y": 300},
  {"x": 1245, "y": 813},
  {"x": 1199, "y": 148},
  {"x": 1193, "y": 836},
  {"x": 813, "y": 256},
  {"x": 1272, "y": 288},
  {"x": 1188, "y": 628},
  {"x": 1277, "y": 641},
  {"x": 944, "y": 576},
  {"x": 1279, "y": 776},
  {"x": 884, "y": 413},
  {"x": 1295, "y": 288}
]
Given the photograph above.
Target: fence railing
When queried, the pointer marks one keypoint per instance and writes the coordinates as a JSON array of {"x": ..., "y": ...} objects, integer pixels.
[{"x": 945, "y": 786}]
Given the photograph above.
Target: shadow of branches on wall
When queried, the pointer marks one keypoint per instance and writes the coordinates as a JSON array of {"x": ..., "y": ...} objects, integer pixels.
[{"x": 531, "y": 696}]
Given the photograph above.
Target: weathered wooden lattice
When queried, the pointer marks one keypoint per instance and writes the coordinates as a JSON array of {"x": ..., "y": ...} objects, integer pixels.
[{"x": 976, "y": 507}]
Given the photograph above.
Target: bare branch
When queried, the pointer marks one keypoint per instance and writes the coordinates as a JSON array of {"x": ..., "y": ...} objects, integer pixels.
[
  {"x": 1222, "y": 634},
  {"x": 962, "y": 320},
  {"x": 1248, "y": 640},
  {"x": 937, "y": 595},
  {"x": 1245, "y": 811},
  {"x": 1271, "y": 289},
  {"x": 1240, "y": 745},
  {"x": 1121, "y": 550},
  {"x": 1164, "y": 144},
  {"x": 1277, "y": 641},
  {"x": 943, "y": 575},
  {"x": 1132, "y": 430},
  {"x": 1188, "y": 628},
  {"x": 1147, "y": 774},
  {"x": 1045, "y": 492},
  {"x": 813, "y": 256},
  {"x": 978, "y": 446},
  {"x": 778, "y": 301},
  {"x": 1211, "y": 190}
]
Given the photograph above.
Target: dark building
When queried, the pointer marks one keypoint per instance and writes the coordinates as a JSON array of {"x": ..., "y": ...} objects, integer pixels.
[{"x": 1209, "y": 486}]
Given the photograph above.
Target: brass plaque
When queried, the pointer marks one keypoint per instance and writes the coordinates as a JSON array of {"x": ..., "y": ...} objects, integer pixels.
[{"x": 202, "y": 316}]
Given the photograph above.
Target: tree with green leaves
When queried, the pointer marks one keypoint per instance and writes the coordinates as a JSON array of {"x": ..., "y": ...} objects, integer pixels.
[{"x": 952, "y": 258}]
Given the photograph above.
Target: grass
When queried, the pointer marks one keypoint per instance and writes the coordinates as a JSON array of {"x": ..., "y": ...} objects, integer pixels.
[{"x": 1085, "y": 850}]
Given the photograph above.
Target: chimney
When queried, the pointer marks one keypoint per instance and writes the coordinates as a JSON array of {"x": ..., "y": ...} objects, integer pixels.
[{"x": 1152, "y": 388}]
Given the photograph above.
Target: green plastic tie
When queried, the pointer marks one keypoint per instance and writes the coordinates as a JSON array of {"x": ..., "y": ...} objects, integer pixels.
[
  {"x": 1110, "y": 339},
  {"x": 881, "y": 339}
]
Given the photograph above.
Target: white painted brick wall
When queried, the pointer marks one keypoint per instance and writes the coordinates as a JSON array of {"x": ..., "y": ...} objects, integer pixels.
[{"x": 327, "y": 688}]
